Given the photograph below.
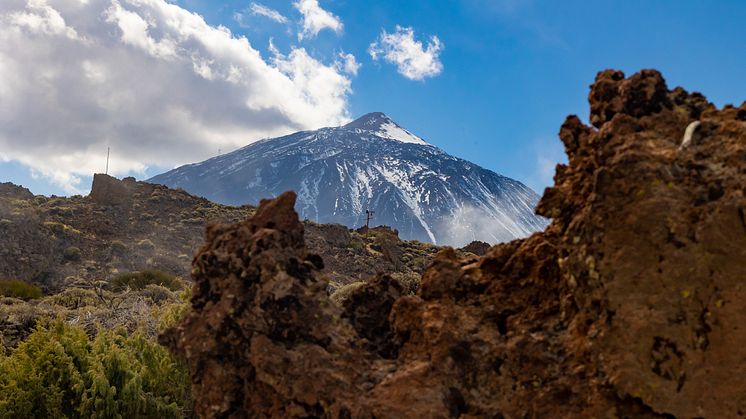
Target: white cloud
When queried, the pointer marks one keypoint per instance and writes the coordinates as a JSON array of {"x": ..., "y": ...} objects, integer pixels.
[
  {"x": 412, "y": 59},
  {"x": 39, "y": 17},
  {"x": 348, "y": 63},
  {"x": 262, "y": 10},
  {"x": 148, "y": 78},
  {"x": 470, "y": 223},
  {"x": 315, "y": 19}
]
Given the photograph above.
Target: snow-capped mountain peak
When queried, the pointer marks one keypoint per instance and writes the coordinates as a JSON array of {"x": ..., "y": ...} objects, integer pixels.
[
  {"x": 373, "y": 164},
  {"x": 380, "y": 125}
]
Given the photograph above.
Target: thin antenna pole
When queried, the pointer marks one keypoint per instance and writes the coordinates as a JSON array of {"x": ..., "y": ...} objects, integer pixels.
[
  {"x": 108, "y": 149},
  {"x": 368, "y": 217}
]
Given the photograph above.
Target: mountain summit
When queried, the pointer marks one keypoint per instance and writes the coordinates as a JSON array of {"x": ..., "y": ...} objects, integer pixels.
[
  {"x": 380, "y": 125},
  {"x": 373, "y": 164}
]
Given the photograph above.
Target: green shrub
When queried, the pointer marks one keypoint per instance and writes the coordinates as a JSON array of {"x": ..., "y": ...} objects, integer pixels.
[
  {"x": 171, "y": 314},
  {"x": 356, "y": 245},
  {"x": 140, "y": 280},
  {"x": 157, "y": 293},
  {"x": 74, "y": 298},
  {"x": 19, "y": 289},
  {"x": 60, "y": 228},
  {"x": 118, "y": 248},
  {"x": 72, "y": 253},
  {"x": 60, "y": 372},
  {"x": 409, "y": 281}
]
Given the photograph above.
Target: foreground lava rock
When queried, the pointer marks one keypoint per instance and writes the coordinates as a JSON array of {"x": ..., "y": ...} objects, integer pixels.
[{"x": 630, "y": 304}]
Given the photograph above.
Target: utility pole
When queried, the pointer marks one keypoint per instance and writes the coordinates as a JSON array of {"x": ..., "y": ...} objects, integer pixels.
[
  {"x": 107, "y": 160},
  {"x": 368, "y": 217}
]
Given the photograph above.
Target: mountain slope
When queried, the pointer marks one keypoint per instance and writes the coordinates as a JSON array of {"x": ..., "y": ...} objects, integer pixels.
[{"x": 370, "y": 164}]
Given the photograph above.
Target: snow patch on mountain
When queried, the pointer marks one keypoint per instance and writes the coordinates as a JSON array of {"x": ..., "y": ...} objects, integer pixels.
[{"x": 391, "y": 131}]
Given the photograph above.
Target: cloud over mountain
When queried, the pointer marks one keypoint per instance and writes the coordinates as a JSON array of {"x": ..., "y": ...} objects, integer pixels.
[
  {"x": 411, "y": 57},
  {"x": 148, "y": 78}
]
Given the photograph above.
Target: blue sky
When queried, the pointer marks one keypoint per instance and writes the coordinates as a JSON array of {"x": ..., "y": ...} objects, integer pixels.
[{"x": 512, "y": 70}]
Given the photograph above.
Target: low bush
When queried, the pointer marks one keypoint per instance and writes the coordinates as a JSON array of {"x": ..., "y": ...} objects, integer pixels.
[
  {"x": 356, "y": 245},
  {"x": 157, "y": 293},
  {"x": 72, "y": 253},
  {"x": 23, "y": 314},
  {"x": 118, "y": 248},
  {"x": 19, "y": 289},
  {"x": 171, "y": 314},
  {"x": 74, "y": 298},
  {"x": 140, "y": 280},
  {"x": 58, "y": 371},
  {"x": 409, "y": 281},
  {"x": 60, "y": 228}
]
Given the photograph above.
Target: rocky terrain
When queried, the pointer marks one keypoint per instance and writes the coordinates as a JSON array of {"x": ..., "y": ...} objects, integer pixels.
[
  {"x": 126, "y": 226},
  {"x": 629, "y": 305},
  {"x": 121, "y": 226},
  {"x": 73, "y": 248}
]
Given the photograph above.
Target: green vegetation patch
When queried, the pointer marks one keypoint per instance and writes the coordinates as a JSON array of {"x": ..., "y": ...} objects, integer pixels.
[
  {"x": 61, "y": 228},
  {"x": 141, "y": 280},
  {"x": 58, "y": 372},
  {"x": 19, "y": 289},
  {"x": 72, "y": 253}
]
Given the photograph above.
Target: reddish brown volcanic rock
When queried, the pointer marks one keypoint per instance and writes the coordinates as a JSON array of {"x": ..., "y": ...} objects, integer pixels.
[{"x": 631, "y": 304}]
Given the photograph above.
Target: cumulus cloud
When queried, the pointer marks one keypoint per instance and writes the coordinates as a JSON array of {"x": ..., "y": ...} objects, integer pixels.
[
  {"x": 150, "y": 79},
  {"x": 262, "y": 10},
  {"x": 348, "y": 63},
  {"x": 315, "y": 19},
  {"x": 412, "y": 59}
]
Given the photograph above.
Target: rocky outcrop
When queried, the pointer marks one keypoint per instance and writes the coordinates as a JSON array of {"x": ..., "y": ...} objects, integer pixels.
[
  {"x": 476, "y": 247},
  {"x": 630, "y": 304},
  {"x": 259, "y": 314},
  {"x": 108, "y": 190}
]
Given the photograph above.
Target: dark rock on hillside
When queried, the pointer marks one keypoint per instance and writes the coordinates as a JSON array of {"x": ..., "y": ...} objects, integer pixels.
[
  {"x": 107, "y": 190},
  {"x": 630, "y": 304},
  {"x": 476, "y": 247}
]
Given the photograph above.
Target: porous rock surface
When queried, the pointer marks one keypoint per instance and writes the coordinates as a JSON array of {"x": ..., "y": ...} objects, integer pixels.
[{"x": 630, "y": 304}]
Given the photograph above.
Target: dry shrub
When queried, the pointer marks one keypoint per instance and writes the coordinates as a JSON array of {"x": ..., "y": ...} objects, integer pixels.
[{"x": 19, "y": 289}]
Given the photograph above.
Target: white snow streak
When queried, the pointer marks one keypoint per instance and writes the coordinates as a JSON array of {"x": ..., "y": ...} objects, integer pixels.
[{"x": 391, "y": 131}]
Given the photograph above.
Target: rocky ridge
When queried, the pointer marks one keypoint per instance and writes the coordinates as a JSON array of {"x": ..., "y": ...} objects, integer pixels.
[
  {"x": 125, "y": 226},
  {"x": 630, "y": 304}
]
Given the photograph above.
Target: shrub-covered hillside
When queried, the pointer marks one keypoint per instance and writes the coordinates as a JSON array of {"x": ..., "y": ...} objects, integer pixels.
[{"x": 87, "y": 283}]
